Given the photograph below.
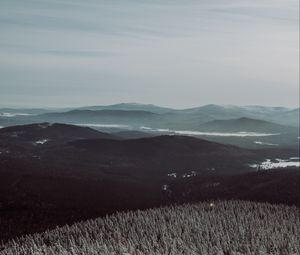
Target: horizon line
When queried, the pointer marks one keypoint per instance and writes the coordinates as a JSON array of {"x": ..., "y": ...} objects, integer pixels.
[{"x": 142, "y": 104}]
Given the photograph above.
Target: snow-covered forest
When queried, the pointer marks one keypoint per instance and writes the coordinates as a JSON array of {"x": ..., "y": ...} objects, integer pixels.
[{"x": 227, "y": 227}]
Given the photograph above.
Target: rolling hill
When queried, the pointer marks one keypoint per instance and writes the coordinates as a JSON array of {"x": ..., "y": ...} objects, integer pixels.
[
  {"x": 279, "y": 115},
  {"x": 129, "y": 107},
  {"x": 80, "y": 173},
  {"x": 246, "y": 125},
  {"x": 98, "y": 116},
  {"x": 46, "y": 133},
  {"x": 161, "y": 154},
  {"x": 132, "y": 134}
]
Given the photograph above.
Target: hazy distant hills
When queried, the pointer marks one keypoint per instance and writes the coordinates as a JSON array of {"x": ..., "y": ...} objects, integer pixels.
[
  {"x": 246, "y": 125},
  {"x": 99, "y": 116},
  {"x": 192, "y": 116},
  {"x": 130, "y": 107},
  {"x": 140, "y": 120},
  {"x": 280, "y": 115}
]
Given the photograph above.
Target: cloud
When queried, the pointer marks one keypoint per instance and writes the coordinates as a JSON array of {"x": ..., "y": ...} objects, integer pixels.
[
  {"x": 181, "y": 53},
  {"x": 78, "y": 53}
]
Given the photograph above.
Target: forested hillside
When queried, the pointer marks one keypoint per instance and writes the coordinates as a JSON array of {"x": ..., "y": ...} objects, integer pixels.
[{"x": 231, "y": 227}]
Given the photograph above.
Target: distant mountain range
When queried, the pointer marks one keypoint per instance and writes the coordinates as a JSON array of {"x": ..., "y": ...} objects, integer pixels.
[
  {"x": 246, "y": 125},
  {"x": 131, "y": 117},
  {"x": 138, "y": 120},
  {"x": 130, "y": 107},
  {"x": 281, "y": 115}
]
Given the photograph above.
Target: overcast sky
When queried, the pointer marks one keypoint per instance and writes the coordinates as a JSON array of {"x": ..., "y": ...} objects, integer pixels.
[{"x": 172, "y": 53}]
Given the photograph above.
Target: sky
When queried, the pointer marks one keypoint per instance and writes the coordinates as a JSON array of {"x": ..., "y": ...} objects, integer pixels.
[{"x": 168, "y": 52}]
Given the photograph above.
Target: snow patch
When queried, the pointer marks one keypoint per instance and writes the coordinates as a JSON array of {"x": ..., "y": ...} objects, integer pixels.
[
  {"x": 165, "y": 187},
  {"x": 280, "y": 163},
  {"x": 163, "y": 130},
  {"x": 43, "y": 141},
  {"x": 264, "y": 143},
  {"x": 9, "y": 115},
  {"x": 294, "y": 158},
  {"x": 210, "y": 169},
  {"x": 173, "y": 175},
  {"x": 189, "y": 175},
  {"x": 145, "y": 128},
  {"x": 185, "y": 175},
  {"x": 237, "y": 134},
  {"x": 200, "y": 133}
]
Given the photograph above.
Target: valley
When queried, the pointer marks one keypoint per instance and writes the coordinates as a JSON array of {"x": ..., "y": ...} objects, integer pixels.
[{"x": 67, "y": 173}]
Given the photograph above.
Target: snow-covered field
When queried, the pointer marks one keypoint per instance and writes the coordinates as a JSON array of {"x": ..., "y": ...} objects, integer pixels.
[
  {"x": 200, "y": 133},
  {"x": 9, "y": 115},
  {"x": 43, "y": 141},
  {"x": 180, "y": 132},
  {"x": 185, "y": 175},
  {"x": 278, "y": 163},
  {"x": 264, "y": 143}
]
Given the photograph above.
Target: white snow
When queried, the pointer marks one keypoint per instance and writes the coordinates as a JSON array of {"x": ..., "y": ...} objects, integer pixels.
[
  {"x": 185, "y": 175},
  {"x": 281, "y": 160},
  {"x": 163, "y": 130},
  {"x": 165, "y": 187},
  {"x": 264, "y": 143},
  {"x": 237, "y": 134},
  {"x": 43, "y": 141},
  {"x": 9, "y": 115},
  {"x": 280, "y": 163},
  {"x": 189, "y": 175},
  {"x": 294, "y": 158},
  {"x": 211, "y": 169},
  {"x": 174, "y": 175},
  {"x": 145, "y": 128},
  {"x": 200, "y": 133}
]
